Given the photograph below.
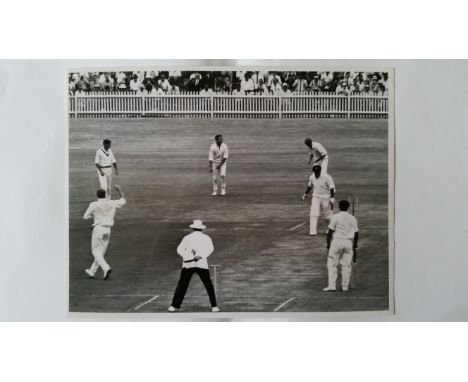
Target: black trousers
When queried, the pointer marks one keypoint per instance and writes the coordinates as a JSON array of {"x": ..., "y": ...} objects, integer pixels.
[{"x": 184, "y": 281}]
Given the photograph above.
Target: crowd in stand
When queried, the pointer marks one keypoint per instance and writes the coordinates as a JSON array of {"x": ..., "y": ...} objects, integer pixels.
[{"x": 240, "y": 82}]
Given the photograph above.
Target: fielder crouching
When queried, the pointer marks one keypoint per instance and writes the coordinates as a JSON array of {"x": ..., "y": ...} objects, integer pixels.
[
  {"x": 342, "y": 241},
  {"x": 322, "y": 197}
]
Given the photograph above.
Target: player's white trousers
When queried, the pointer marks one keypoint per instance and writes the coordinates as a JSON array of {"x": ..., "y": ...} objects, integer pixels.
[
  {"x": 319, "y": 206},
  {"x": 216, "y": 173},
  {"x": 105, "y": 181},
  {"x": 99, "y": 243},
  {"x": 340, "y": 253},
  {"x": 323, "y": 164}
]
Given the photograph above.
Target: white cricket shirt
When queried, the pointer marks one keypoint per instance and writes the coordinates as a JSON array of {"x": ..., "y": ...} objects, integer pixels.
[
  {"x": 247, "y": 85},
  {"x": 103, "y": 211},
  {"x": 217, "y": 154},
  {"x": 195, "y": 244},
  {"x": 104, "y": 158},
  {"x": 344, "y": 224},
  {"x": 317, "y": 150},
  {"x": 322, "y": 185}
]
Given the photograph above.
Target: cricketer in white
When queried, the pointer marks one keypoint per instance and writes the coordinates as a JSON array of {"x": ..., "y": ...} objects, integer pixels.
[
  {"x": 317, "y": 151},
  {"x": 194, "y": 250},
  {"x": 342, "y": 242},
  {"x": 322, "y": 197},
  {"x": 103, "y": 211},
  {"x": 104, "y": 160},
  {"x": 217, "y": 156}
]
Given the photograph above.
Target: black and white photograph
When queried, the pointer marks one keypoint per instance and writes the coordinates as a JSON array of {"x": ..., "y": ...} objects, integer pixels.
[{"x": 230, "y": 190}]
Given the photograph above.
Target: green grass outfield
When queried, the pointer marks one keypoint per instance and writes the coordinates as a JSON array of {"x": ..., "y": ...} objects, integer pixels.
[{"x": 164, "y": 173}]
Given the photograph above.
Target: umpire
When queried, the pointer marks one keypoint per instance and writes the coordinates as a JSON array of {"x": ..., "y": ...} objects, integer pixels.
[{"x": 194, "y": 250}]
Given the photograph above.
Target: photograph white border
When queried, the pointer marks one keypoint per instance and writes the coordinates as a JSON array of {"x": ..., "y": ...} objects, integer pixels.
[{"x": 227, "y": 65}]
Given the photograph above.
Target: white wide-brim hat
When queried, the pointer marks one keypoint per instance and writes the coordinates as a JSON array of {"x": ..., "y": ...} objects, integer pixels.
[{"x": 197, "y": 224}]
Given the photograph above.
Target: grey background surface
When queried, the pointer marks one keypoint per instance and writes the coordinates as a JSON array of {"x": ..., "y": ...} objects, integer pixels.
[{"x": 430, "y": 220}]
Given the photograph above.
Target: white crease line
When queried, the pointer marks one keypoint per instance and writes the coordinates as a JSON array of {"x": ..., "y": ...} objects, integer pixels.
[
  {"x": 111, "y": 295},
  {"x": 146, "y": 302},
  {"x": 284, "y": 303},
  {"x": 297, "y": 226}
]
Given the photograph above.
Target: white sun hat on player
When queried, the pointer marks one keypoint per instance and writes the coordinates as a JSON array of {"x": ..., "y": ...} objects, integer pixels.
[{"x": 197, "y": 224}]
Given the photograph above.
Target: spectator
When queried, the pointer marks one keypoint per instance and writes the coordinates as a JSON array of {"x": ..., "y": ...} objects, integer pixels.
[
  {"x": 164, "y": 83},
  {"x": 271, "y": 76},
  {"x": 228, "y": 83},
  {"x": 71, "y": 85},
  {"x": 148, "y": 89},
  {"x": 140, "y": 75},
  {"x": 359, "y": 83},
  {"x": 355, "y": 88},
  {"x": 366, "y": 88},
  {"x": 206, "y": 90},
  {"x": 300, "y": 84},
  {"x": 80, "y": 91},
  {"x": 385, "y": 80},
  {"x": 381, "y": 91},
  {"x": 207, "y": 79},
  {"x": 94, "y": 83},
  {"x": 263, "y": 75},
  {"x": 101, "y": 78},
  {"x": 237, "y": 90},
  {"x": 220, "y": 85},
  {"x": 247, "y": 84},
  {"x": 106, "y": 82},
  {"x": 342, "y": 88},
  {"x": 157, "y": 90},
  {"x": 254, "y": 77},
  {"x": 275, "y": 88},
  {"x": 327, "y": 78},
  {"x": 135, "y": 83},
  {"x": 262, "y": 88},
  {"x": 174, "y": 89},
  {"x": 75, "y": 77},
  {"x": 121, "y": 80},
  {"x": 289, "y": 78},
  {"x": 374, "y": 86},
  {"x": 84, "y": 84},
  {"x": 285, "y": 89},
  {"x": 194, "y": 83},
  {"x": 315, "y": 85},
  {"x": 348, "y": 79},
  {"x": 175, "y": 75}
]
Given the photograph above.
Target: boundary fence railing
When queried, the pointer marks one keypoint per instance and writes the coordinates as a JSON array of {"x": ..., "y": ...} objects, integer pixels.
[{"x": 218, "y": 105}]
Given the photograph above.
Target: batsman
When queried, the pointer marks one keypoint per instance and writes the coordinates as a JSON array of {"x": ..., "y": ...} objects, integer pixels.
[
  {"x": 322, "y": 197},
  {"x": 342, "y": 243}
]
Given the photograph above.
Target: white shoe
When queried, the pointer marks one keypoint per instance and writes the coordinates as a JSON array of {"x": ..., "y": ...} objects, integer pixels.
[
  {"x": 215, "y": 309},
  {"x": 345, "y": 289},
  {"x": 107, "y": 274},
  {"x": 214, "y": 193},
  {"x": 312, "y": 234},
  {"x": 329, "y": 289},
  {"x": 171, "y": 309},
  {"x": 223, "y": 192},
  {"x": 89, "y": 273}
]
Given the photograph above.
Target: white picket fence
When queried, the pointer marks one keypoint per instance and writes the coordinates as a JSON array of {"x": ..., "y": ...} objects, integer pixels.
[{"x": 218, "y": 105}]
